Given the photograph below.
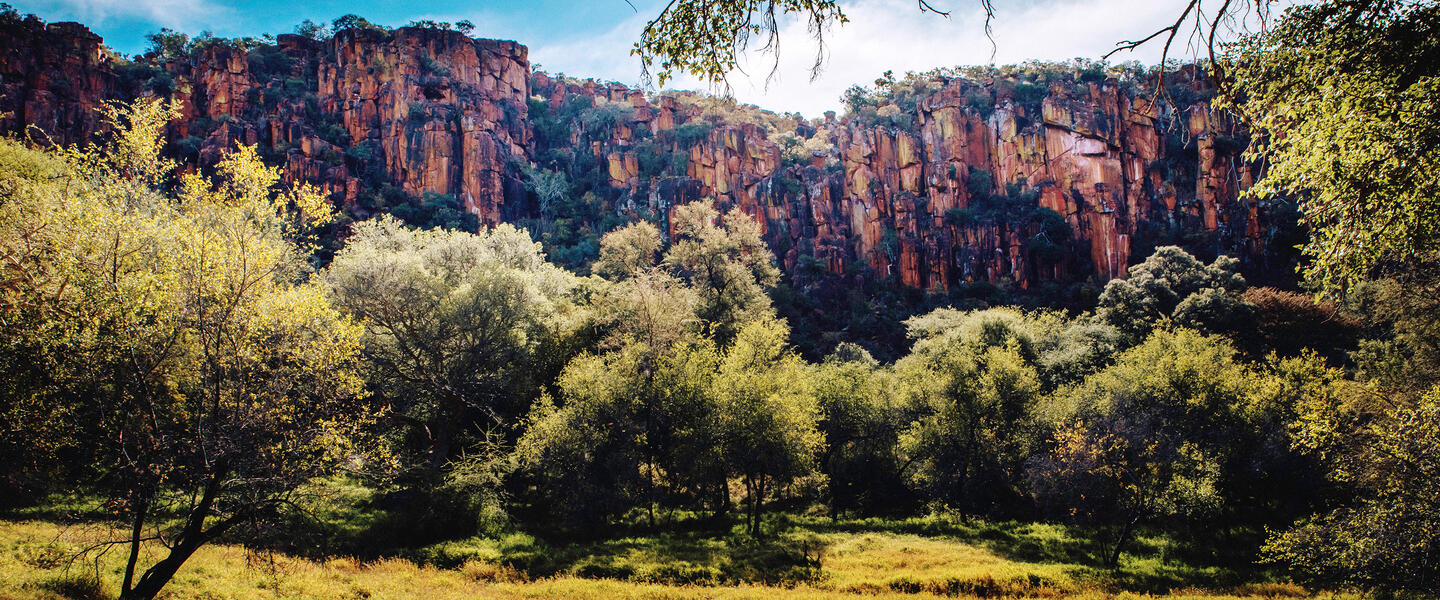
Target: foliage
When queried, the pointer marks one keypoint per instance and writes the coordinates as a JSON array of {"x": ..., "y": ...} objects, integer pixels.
[
  {"x": 628, "y": 251},
  {"x": 453, "y": 322},
  {"x": 1386, "y": 540},
  {"x": 1172, "y": 286},
  {"x": 1342, "y": 94},
  {"x": 766, "y": 412},
  {"x": 1147, "y": 437},
  {"x": 970, "y": 391},
  {"x": 726, "y": 261},
  {"x": 705, "y": 39},
  {"x": 603, "y": 117},
  {"x": 861, "y": 421},
  {"x": 170, "y": 347},
  {"x": 355, "y": 22}
]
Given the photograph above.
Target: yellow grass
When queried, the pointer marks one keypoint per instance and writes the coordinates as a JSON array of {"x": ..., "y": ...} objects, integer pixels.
[{"x": 35, "y": 564}]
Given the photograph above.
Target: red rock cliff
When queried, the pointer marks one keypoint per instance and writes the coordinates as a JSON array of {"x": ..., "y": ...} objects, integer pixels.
[
  {"x": 898, "y": 196},
  {"x": 936, "y": 193}
]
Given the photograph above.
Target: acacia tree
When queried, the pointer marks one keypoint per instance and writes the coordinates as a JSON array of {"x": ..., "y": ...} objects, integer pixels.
[
  {"x": 1341, "y": 95},
  {"x": 1171, "y": 286},
  {"x": 860, "y": 417},
  {"x": 705, "y": 38},
  {"x": 970, "y": 390},
  {"x": 198, "y": 378},
  {"x": 726, "y": 262},
  {"x": 453, "y": 321},
  {"x": 766, "y": 413},
  {"x": 1386, "y": 539},
  {"x": 1147, "y": 438}
]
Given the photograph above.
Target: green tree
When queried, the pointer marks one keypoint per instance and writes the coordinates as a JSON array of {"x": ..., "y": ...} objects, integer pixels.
[
  {"x": 861, "y": 422},
  {"x": 453, "y": 323},
  {"x": 1147, "y": 438},
  {"x": 168, "y": 43},
  {"x": 726, "y": 262},
  {"x": 629, "y": 250},
  {"x": 767, "y": 413},
  {"x": 1386, "y": 539},
  {"x": 1172, "y": 286},
  {"x": 201, "y": 377},
  {"x": 1341, "y": 95},
  {"x": 970, "y": 390}
]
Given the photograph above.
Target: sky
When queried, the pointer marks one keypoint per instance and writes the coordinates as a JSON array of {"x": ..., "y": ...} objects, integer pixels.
[{"x": 592, "y": 38}]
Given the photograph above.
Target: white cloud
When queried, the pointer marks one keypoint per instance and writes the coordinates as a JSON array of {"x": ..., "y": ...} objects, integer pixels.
[
  {"x": 176, "y": 14},
  {"x": 892, "y": 35}
]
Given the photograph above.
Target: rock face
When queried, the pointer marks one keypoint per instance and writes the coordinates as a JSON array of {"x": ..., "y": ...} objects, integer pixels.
[
  {"x": 419, "y": 109},
  {"x": 950, "y": 195},
  {"x": 937, "y": 193},
  {"x": 52, "y": 78}
]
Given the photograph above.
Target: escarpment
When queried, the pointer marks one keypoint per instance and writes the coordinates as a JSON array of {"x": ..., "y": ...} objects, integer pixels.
[{"x": 1029, "y": 176}]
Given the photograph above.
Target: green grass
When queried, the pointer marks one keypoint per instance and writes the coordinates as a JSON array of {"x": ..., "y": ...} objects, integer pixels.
[{"x": 804, "y": 558}]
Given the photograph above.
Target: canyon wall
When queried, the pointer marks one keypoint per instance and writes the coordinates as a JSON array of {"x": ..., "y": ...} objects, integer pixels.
[
  {"x": 941, "y": 193},
  {"x": 900, "y": 199}
]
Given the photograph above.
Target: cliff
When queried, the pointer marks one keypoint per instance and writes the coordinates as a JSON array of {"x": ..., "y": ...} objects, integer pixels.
[
  {"x": 936, "y": 181},
  {"x": 943, "y": 191}
]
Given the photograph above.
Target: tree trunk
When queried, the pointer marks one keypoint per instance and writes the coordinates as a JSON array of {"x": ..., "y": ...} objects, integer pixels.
[
  {"x": 757, "y": 500},
  {"x": 445, "y": 431},
  {"x": 1114, "y": 558},
  {"x": 190, "y": 539},
  {"x": 136, "y": 527}
]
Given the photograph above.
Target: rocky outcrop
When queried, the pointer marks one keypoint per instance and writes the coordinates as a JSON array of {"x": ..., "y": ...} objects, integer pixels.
[
  {"x": 951, "y": 196},
  {"x": 52, "y": 79},
  {"x": 422, "y": 110},
  {"x": 940, "y": 192}
]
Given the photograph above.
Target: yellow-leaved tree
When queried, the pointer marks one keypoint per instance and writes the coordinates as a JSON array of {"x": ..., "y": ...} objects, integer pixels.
[{"x": 163, "y": 343}]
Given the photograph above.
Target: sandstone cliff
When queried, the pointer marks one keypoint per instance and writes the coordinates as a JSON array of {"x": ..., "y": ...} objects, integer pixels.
[{"x": 934, "y": 189}]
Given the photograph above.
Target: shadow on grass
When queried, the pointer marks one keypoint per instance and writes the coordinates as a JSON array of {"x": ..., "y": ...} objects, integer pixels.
[
  {"x": 688, "y": 552},
  {"x": 1024, "y": 542}
]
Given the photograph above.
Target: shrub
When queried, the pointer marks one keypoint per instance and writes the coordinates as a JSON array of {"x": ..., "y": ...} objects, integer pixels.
[
  {"x": 689, "y": 134},
  {"x": 604, "y": 117}
]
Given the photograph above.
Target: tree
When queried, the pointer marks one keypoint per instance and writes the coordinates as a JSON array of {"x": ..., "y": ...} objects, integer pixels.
[
  {"x": 312, "y": 30},
  {"x": 1147, "y": 438},
  {"x": 168, "y": 43},
  {"x": 861, "y": 421},
  {"x": 549, "y": 187},
  {"x": 628, "y": 251},
  {"x": 202, "y": 378},
  {"x": 726, "y": 262},
  {"x": 628, "y": 427},
  {"x": 453, "y": 321},
  {"x": 706, "y": 38},
  {"x": 1172, "y": 286},
  {"x": 354, "y": 21},
  {"x": 1341, "y": 97},
  {"x": 970, "y": 391},
  {"x": 1386, "y": 539},
  {"x": 766, "y": 412}
]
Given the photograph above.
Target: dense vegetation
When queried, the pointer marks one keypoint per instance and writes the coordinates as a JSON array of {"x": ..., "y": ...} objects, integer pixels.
[{"x": 183, "y": 374}]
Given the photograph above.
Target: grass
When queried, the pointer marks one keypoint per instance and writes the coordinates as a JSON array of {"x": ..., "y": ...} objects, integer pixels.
[{"x": 807, "y": 558}]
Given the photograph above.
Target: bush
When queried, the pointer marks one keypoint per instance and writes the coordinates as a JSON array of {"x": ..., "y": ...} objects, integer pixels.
[
  {"x": 689, "y": 134},
  {"x": 979, "y": 185},
  {"x": 604, "y": 117}
]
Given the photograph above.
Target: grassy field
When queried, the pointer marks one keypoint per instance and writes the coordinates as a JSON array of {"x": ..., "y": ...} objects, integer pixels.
[{"x": 807, "y": 558}]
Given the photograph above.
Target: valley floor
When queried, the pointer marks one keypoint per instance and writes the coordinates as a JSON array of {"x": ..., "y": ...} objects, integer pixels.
[{"x": 855, "y": 559}]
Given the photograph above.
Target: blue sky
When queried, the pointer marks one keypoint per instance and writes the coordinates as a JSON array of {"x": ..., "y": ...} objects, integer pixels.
[{"x": 592, "y": 38}]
